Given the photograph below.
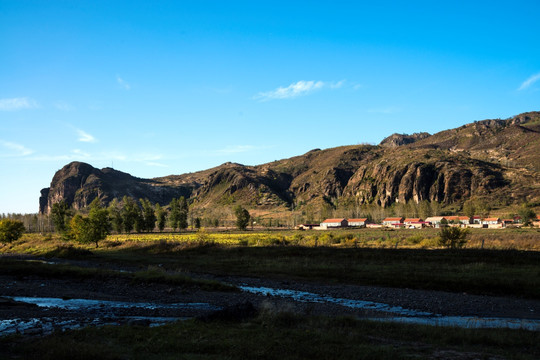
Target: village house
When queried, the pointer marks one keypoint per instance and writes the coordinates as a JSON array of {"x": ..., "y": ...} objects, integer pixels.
[
  {"x": 306, "y": 226},
  {"x": 393, "y": 221},
  {"x": 414, "y": 223},
  {"x": 435, "y": 221},
  {"x": 357, "y": 222},
  {"x": 409, "y": 221},
  {"x": 506, "y": 222},
  {"x": 334, "y": 223},
  {"x": 491, "y": 221},
  {"x": 459, "y": 219},
  {"x": 477, "y": 219}
]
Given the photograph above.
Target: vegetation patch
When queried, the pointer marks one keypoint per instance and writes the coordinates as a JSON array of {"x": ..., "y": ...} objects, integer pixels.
[
  {"x": 280, "y": 335},
  {"x": 151, "y": 275}
]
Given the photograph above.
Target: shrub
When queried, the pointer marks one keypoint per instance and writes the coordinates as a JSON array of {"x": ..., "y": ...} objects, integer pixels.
[
  {"x": 453, "y": 237},
  {"x": 415, "y": 239},
  {"x": 10, "y": 230}
]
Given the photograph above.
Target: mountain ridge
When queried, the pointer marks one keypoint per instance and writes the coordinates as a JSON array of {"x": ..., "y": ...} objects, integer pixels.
[{"x": 498, "y": 160}]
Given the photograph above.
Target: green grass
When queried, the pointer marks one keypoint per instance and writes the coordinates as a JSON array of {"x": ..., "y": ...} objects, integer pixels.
[
  {"x": 277, "y": 336},
  {"x": 364, "y": 257},
  {"x": 152, "y": 274},
  {"x": 492, "y": 272}
]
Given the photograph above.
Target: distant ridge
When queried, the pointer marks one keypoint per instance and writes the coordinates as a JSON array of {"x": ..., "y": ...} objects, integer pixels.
[{"x": 497, "y": 160}]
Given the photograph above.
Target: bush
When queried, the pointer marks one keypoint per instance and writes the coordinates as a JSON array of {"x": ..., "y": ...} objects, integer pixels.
[
  {"x": 415, "y": 239},
  {"x": 453, "y": 237},
  {"x": 10, "y": 230}
]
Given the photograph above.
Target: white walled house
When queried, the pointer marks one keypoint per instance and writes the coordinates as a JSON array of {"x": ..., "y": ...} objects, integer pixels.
[
  {"x": 393, "y": 221},
  {"x": 334, "y": 223},
  {"x": 357, "y": 222},
  {"x": 491, "y": 221},
  {"x": 435, "y": 221}
]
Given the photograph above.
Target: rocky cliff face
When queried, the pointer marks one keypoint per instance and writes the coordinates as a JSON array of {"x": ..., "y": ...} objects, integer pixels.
[
  {"x": 491, "y": 159},
  {"x": 78, "y": 184}
]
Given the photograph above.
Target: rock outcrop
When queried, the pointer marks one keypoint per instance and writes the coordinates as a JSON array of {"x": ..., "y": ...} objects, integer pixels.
[{"x": 396, "y": 140}]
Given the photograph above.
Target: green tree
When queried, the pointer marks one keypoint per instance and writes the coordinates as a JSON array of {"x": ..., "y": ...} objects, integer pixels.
[
  {"x": 526, "y": 214},
  {"x": 60, "y": 216},
  {"x": 130, "y": 212},
  {"x": 453, "y": 237},
  {"x": 469, "y": 209},
  {"x": 115, "y": 214},
  {"x": 99, "y": 219},
  {"x": 178, "y": 213},
  {"x": 174, "y": 215},
  {"x": 197, "y": 223},
  {"x": 80, "y": 229},
  {"x": 161, "y": 216},
  {"x": 242, "y": 217},
  {"x": 182, "y": 204},
  {"x": 483, "y": 207},
  {"x": 140, "y": 226},
  {"x": 148, "y": 214},
  {"x": 10, "y": 230},
  {"x": 93, "y": 228}
]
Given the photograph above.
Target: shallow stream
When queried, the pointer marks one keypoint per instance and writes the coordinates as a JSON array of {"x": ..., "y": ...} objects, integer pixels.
[
  {"x": 99, "y": 313},
  {"x": 399, "y": 314}
]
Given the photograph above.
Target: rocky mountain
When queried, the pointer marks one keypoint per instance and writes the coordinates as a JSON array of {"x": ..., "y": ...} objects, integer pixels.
[
  {"x": 497, "y": 160},
  {"x": 396, "y": 140}
]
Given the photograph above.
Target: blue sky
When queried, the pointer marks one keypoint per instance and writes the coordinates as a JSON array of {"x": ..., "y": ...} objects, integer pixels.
[{"x": 168, "y": 87}]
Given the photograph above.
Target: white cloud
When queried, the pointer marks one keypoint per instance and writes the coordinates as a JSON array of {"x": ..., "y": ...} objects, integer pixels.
[
  {"x": 123, "y": 83},
  {"x": 235, "y": 149},
  {"x": 17, "y": 104},
  {"x": 15, "y": 150},
  {"x": 106, "y": 156},
  {"x": 78, "y": 152},
  {"x": 63, "y": 106},
  {"x": 337, "y": 85},
  {"x": 85, "y": 137},
  {"x": 296, "y": 89},
  {"x": 531, "y": 80}
]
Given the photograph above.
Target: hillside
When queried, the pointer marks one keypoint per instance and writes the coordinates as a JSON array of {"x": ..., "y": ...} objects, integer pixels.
[{"x": 495, "y": 160}]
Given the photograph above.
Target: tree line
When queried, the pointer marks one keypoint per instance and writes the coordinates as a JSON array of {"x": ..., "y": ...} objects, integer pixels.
[
  {"x": 122, "y": 216},
  {"x": 126, "y": 216}
]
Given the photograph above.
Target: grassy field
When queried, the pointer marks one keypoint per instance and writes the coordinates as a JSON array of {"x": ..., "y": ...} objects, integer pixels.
[
  {"x": 278, "y": 335},
  {"x": 509, "y": 264},
  {"x": 506, "y": 265}
]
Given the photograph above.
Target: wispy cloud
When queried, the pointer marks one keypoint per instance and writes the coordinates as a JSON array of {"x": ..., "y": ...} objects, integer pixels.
[
  {"x": 296, "y": 89},
  {"x": 85, "y": 137},
  {"x": 103, "y": 157},
  {"x": 63, "y": 106},
  {"x": 14, "y": 104},
  {"x": 235, "y": 149},
  {"x": 527, "y": 83},
  {"x": 123, "y": 83},
  {"x": 14, "y": 149},
  {"x": 337, "y": 85}
]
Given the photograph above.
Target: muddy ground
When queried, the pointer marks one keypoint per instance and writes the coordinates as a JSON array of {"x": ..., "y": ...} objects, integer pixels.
[{"x": 125, "y": 290}]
